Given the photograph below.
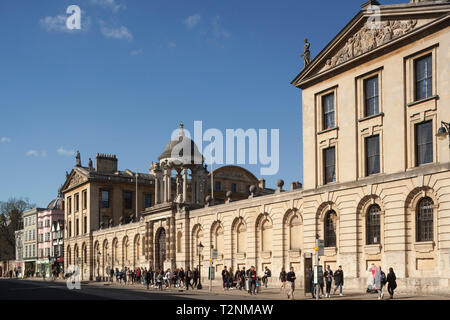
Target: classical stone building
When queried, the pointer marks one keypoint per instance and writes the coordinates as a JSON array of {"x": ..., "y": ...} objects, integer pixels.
[{"x": 376, "y": 176}]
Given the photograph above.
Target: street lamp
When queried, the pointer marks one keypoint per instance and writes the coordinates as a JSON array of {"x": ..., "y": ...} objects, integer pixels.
[
  {"x": 98, "y": 265},
  {"x": 200, "y": 248},
  {"x": 444, "y": 131}
]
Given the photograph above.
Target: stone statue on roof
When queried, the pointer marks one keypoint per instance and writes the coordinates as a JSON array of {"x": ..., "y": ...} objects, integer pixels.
[
  {"x": 78, "y": 157},
  {"x": 306, "y": 53}
]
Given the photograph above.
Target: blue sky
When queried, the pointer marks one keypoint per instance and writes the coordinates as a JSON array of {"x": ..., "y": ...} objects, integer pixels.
[{"x": 137, "y": 69}]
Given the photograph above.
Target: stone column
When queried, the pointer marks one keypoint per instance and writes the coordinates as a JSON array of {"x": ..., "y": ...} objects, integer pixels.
[
  {"x": 173, "y": 240},
  {"x": 185, "y": 177},
  {"x": 168, "y": 185}
]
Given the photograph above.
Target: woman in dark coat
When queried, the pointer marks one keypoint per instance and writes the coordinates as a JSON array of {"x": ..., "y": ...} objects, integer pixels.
[{"x": 392, "y": 284}]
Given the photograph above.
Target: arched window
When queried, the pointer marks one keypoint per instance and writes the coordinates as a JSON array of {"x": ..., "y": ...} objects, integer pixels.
[
  {"x": 266, "y": 235},
  {"x": 241, "y": 238},
  {"x": 373, "y": 224},
  {"x": 137, "y": 248},
  {"x": 330, "y": 229},
  {"x": 424, "y": 222},
  {"x": 294, "y": 233}
]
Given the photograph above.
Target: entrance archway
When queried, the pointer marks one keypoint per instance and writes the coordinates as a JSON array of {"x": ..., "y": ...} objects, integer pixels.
[{"x": 160, "y": 248}]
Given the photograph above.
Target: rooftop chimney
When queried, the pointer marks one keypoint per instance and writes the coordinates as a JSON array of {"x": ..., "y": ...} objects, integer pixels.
[{"x": 106, "y": 163}]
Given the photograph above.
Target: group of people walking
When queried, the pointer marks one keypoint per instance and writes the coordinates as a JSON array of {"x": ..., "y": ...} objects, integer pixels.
[
  {"x": 179, "y": 278},
  {"x": 378, "y": 280}
]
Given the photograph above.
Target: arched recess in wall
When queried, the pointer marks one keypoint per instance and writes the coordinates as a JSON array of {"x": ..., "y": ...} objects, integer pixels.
[
  {"x": 264, "y": 233},
  {"x": 197, "y": 237},
  {"x": 137, "y": 250},
  {"x": 217, "y": 238},
  {"x": 115, "y": 253},
  {"x": 179, "y": 242},
  {"x": 125, "y": 252}
]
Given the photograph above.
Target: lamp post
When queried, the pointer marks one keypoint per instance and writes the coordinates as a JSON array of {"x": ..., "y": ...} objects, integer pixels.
[
  {"x": 98, "y": 265},
  {"x": 444, "y": 131},
  {"x": 200, "y": 248}
]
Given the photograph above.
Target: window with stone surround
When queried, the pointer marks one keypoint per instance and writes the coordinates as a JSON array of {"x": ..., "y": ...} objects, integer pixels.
[
  {"x": 424, "y": 220},
  {"x": 424, "y": 142},
  {"x": 372, "y": 155},
  {"x": 330, "y": 229},
  {"x": 328, "y": 112},
  {"x": 371, "y": 96},
  {"x": 373, "y": 225},
  {"x": 423, "y": 77},
  {"x": 329, "y": 165}
]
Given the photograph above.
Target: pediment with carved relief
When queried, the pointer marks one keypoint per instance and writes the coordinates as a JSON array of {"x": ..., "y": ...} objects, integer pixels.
[
  {"x": 369, "y": 37},
  {"x": 74, "y": 180}
]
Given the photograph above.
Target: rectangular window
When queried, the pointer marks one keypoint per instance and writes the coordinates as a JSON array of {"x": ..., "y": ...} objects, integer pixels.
[
  {"x": 85, "y": 225},
  {"x": 372, "y": 155},
  {"x": 77, "y": 227},
  {"x": 127, "y": 198},
  {"x": 233, "y": 187},
  {"x": 328, "y": 111},
  {"x": 218, "y": 186},
  {"x": 76, "y": 204},
  {"x": 423, "y": 74},
  {"x": 105, "y": 199},
  {"x": 424, "y": 143},
  {"x": 70, "y": 228},
  {"x": 329, "y": 162},
  {"x": 84, "y": 198},
  {"x": 148, "y": 200},
  {"x": 371, "y": 96},
  {"x": 69, "y": 204}
]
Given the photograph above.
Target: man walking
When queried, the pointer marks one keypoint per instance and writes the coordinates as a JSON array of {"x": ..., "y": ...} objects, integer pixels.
[
  {"x": 252, "y": 280},
  {"x": 338, "y": 280},
  {"x": 267, "y": 275},
  {"x": 328, "y": 275},
  {"x": 291, "y": 279},
  {"x": 225, "y": 278}
]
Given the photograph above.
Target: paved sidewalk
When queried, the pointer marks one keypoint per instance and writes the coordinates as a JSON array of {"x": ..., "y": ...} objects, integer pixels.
[{"x": 217, "y": 292}]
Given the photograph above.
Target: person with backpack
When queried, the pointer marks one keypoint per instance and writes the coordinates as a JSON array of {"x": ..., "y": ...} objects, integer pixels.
[
  {"x": 328, "y": 275},
  {"x": 291, "y": 279},
  {"x": 267, "y": 274},
  {"x": 242, "y": 278},
  {"x": 195, "y": 278},
  {"x": 382, "y": 281},
  {"x": 159, "y": 280},
  {"x": 392, "y": 284},
  {"x": 338, "y": 280}
]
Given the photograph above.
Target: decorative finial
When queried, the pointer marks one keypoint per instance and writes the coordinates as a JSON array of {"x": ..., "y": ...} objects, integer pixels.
[
  {"x": 306, "y": 53},
  {"x": 90, "y": 164},
  {"x": 181, "y": 133}
]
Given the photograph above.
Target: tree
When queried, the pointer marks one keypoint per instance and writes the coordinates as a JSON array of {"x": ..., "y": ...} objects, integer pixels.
[{"x": 11, "y": 220}]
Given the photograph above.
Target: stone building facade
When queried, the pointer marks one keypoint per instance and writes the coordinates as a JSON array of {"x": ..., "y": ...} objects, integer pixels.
[{"x": 376, "y": 179}]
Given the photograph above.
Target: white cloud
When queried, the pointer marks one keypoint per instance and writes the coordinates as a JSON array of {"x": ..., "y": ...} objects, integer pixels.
[
  {"x": 120, "y": 33},
  {"x": 192, "y": 21},
  {"x": 58, "y": 23},
  {"x": 5, "y": 140},
  {"x": 108, "y": 4},
  {"x": 136, "y": 52},
  {"x": 64, "y": 152},
  {"x": 217, "y": 30},
  {"x": 172, "y": 44},
  {"x": 33, "y": 153}
]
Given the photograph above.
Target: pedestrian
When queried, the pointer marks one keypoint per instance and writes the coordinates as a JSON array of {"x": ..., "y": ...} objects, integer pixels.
[
  {"x": 251, "y": 274},
  {"x": 267, "y": 275},
  {"x": 181, "y": 278},
  {"x": 328, "y": 275},
  {"x": 224, "y": 278},
  {"x": 242, "y": 279},
  {"x": 338, "y": 280},
  {"x": 382, "y": 281},
  {"x": 148, "y": 278},
  {"x": 283, "y": 276},
  {"x": 313, "y": 287},
  {"x": 159, "y": 280},
  {"x": 291, "y": 279},
  {"x": 376, "y": 272},
  {"x": 392, "y": 284},
  {"x": 195, "y": 277},
  {"x": 189, "y": 275}
]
